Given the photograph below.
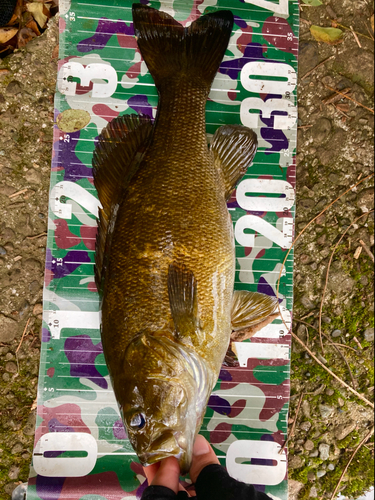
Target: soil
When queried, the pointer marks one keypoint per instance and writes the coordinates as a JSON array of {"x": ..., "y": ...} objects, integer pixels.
[{"x": 335, "y": 150}]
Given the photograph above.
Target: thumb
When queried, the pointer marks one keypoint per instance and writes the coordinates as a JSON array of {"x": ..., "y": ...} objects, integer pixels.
[
  {"x": 203, "y": 455},
  {"x": 168, "y": 474}
]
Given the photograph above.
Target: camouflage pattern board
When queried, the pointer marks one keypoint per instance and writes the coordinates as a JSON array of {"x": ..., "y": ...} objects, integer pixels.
[{"x": 81, "y": 449}]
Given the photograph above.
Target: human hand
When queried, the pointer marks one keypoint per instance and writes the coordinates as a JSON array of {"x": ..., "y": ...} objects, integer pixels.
[{"x": 167, "y": 472}]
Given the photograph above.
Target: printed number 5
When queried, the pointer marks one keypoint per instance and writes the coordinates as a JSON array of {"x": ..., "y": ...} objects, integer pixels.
[
  {"x": 86, "y": 74},
  {"x": 281, "y": 8}
]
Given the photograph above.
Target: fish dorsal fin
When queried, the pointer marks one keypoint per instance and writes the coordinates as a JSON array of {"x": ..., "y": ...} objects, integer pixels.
[
  {"x": 234, "y": 148},
  {"x": 250, "y": 312},
  {"x": 118, "y": 153},
  {"x": 183, "y": 300}
]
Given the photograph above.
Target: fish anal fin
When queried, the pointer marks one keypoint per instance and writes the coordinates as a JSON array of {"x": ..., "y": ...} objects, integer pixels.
[
  {"x": 234, "y": 148},
  {"x": 117, "y": 156},
  {"x": 251, "y": 311},
  {"x": 183, "y": 300},
  {"x": 247, "y": 333}
]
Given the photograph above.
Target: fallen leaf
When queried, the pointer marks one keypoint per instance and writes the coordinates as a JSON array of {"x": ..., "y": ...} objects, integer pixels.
[
  {"x": 72, "y": 120},
  {"x": 17, "y": 13},
  {"x": 332, "y": 36},
  {"x": 313, "y": 3},
  {"x": 343, "y": 107},
  {"x": 7, "y": 33},
  {"x": 39, "y": 11},
  {"x": 372, "y": 22},
  {"x": 33, "y": 26}
]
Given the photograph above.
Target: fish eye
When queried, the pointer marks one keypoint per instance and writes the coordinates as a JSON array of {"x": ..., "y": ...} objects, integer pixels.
[{"x": 138, "y": 421}]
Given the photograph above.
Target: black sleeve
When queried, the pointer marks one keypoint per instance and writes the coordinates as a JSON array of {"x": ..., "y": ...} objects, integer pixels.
[
  {"x": 214, "y": 483},
  {"x": 162, "y": 493}
]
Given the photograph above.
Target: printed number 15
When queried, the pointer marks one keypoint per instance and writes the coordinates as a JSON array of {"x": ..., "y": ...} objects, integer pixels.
[{"x": 281, "y": 8}]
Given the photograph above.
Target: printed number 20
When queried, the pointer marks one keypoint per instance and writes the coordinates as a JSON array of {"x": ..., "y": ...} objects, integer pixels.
[{"x": 281, "y": 8}]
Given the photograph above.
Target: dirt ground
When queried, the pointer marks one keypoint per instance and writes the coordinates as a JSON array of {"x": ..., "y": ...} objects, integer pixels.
[{"x": 335, "y": 150}]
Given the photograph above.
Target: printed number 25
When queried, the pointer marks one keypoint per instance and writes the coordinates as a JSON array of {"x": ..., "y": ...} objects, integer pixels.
[{"x": 281, "y": 8}]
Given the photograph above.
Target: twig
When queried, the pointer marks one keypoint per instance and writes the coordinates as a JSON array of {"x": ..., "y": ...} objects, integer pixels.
[
  {"x": 358, "y": 252},
  {"x": 345, "y": 346},
  {"x": 358, "y": 343},
  {"x": 294, "y": 424},
  {"x": 354, "y": 384},
  {"x": 327, "y": 275},
  {"x": 350, "y": 29},
  {"x": 341, "y": 111},
  {"x": 307, "y": 335},
  {"x": 355, "y": 36},
  {"x": 331, "y": 372},
  {"x": 366, "y": 438},
  {"x": 326, "y": 336},
  {"x": 316, "y": 67},
  {"x": 369, "y": 31},
  {"x": 335, "y": 346},
  {"x": 18, "y": 193},
  {"x": 335, "y": 97},
  {"x": 19, "y": 345},
  {"x": 366, "y": 248},
  {"x": 305, "y": 126},
  {"x": 350, "y": 98},
  {"x": 36, "y": 236}
]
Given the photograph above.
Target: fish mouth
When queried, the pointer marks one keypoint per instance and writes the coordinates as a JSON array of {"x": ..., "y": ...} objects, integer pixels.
[
  {"x": 165, "y": 446},
  {"x": 152, "y": 458}
]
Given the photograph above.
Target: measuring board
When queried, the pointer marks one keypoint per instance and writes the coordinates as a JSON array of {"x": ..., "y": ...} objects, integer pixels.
[{"x": 81, "y": 450}]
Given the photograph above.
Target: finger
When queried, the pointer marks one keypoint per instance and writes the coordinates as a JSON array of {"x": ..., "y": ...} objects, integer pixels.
[
  {"x": 203, "y": 455},
  {"x": 191, "y": 491},
  {"x": 168, "y": 474},
  {"x": 150, "y": 471},
  {"x": 181, "y": 488}
]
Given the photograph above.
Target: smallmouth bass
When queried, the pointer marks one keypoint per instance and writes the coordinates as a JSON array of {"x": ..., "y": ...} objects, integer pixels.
[{"x": 165, "y": 257}]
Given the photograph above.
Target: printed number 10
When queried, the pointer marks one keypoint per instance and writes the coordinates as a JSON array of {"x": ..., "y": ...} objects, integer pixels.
[{"x": 281, "y": 8}]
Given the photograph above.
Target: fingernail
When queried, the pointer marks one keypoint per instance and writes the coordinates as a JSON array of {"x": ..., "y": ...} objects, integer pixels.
[{"x": 201, "y": 446}]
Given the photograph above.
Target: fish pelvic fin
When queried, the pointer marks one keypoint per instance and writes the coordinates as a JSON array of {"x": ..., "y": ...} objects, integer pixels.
[
  {"x": 234, "y": 148},
  {"x": 251, "y": 311},
  {"x": 117, "y": 156},
  {"x": 171, "y": 51},
  {"x": 183, "y": 300}
]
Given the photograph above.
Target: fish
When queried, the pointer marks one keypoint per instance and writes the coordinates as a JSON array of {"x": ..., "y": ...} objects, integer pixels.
[{"x": 165, "y": 253}]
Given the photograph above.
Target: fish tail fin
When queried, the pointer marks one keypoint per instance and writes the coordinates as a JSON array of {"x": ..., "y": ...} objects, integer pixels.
[{"x": 172, "y": 51}]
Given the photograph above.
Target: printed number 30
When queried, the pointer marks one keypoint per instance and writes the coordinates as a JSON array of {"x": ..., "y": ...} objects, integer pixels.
[
  {"x": 281, "y": 8},
  {"x": 86, "y": 74}
]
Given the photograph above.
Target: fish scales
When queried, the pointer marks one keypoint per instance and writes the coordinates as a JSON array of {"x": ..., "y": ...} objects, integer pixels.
[
  {"x": 165, "y": 258},
  {"x": 175, "y": 211}
]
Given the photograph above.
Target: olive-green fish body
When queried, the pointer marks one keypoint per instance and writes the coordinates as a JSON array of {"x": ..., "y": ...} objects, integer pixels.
[
  {"x": 165, "y": 257},
  {"x": 175, "y": 211}
]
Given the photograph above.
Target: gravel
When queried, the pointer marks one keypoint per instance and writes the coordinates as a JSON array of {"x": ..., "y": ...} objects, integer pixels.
[{"x": 324, "y": 451}]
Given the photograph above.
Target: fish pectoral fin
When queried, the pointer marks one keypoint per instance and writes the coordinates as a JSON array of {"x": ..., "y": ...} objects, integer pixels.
[
  {"x": 234, "y": 148},
  {"x": 183, "y": 300},
  {"x": 117, "y": 156},
  {"x": 251, "y": 311}
]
